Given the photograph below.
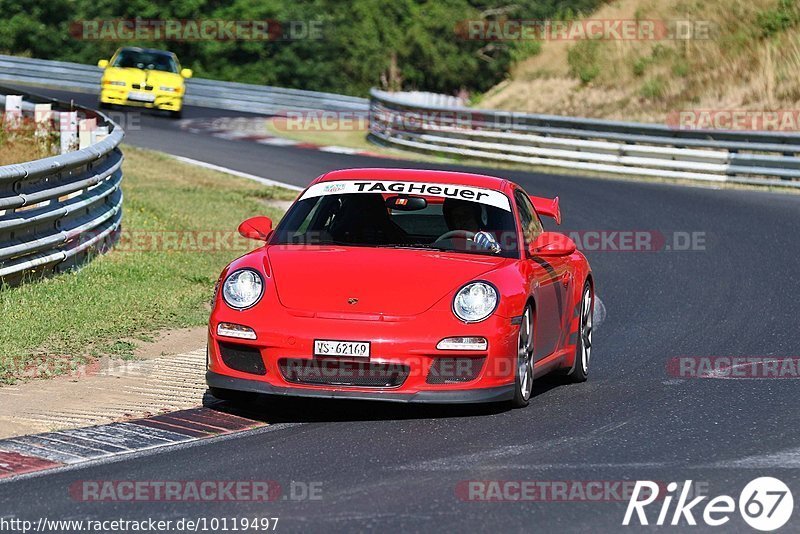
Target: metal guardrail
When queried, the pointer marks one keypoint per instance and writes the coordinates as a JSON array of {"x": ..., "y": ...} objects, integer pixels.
[
  {"x": 199, "y": 91},
  {"x": 581, "y": 144},
  {"x": 57, "y": 211}
]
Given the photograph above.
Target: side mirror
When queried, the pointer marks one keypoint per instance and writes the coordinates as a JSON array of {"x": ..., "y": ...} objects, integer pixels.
[
  {"x": 256, "y": 228},
  {"x": 186, "y": 73},
  {"x": 552, "y": 244},
  {"x": 103, "y": 63}
]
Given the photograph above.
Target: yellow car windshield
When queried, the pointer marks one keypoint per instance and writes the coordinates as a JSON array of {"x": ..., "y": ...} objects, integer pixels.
[{"x": 137, "y": 59}]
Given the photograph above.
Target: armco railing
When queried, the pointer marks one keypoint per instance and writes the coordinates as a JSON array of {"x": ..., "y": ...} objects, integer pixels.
[
  {"x": 199, "y": 92},
  {"x": 580, "y": 144},
  {"x": 55, "y": 212}
]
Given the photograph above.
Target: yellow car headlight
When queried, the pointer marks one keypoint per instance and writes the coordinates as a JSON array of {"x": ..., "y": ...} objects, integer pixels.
[{"x": 169, "y": 89}]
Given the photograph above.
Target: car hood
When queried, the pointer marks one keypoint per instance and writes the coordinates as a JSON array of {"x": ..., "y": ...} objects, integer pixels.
[
  {"x": 152, "y": 77},
  {"x": 392, "y": 282}
]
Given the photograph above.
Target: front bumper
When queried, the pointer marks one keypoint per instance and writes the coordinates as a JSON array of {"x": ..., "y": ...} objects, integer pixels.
[
  {"x": 468, "y": 396},
  {"x": 163, "y": 100},
  {"x": 285, "y": 345}
]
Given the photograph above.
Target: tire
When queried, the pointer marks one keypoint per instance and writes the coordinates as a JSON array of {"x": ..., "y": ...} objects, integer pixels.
[
  {"x": 583, "y": 348},
  {"x": 176, "y": 114},
  {"x": 523, "y": 382}
]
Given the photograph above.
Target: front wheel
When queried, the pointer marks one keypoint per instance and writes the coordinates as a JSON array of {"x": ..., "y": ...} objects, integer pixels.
[
  {"x": 583, "y": 348},
  {"x": 524, "y": 375}
]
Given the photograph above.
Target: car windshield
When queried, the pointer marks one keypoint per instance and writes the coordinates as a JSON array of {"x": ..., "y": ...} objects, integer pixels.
[
  {"x": 137, "y": 59},
  {"x": 386, "y": 220}
]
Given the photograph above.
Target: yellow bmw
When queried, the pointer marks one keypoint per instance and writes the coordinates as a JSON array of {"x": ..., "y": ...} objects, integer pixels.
[{"x": 143, "y": 77}]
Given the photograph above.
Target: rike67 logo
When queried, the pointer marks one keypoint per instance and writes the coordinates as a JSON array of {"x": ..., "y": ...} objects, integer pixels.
[{"x": 766, "y": 504}]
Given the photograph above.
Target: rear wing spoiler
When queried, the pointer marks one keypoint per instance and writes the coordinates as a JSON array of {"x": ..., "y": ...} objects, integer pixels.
[{"x": 547, "y": 207}]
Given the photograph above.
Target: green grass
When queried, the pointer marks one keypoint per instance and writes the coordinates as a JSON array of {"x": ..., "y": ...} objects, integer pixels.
[
  {"x": 653, "y": 88},
  {"x": 49, "y": 326},
  {"x": 583, "y": 60},
  {"x": 780, "y": 18},
  {"x": 640, "y": 65}
]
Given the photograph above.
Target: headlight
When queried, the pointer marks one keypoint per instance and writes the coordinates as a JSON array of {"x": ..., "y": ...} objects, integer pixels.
[
  {"x": 169, "y": 89},
  {"x": 475, "y": 302},
  {"x": 242, "y": 289},
  {"x": 116, "y": 82}
]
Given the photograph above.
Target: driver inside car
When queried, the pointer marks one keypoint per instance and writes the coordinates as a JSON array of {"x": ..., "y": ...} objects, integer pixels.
[
  {"x": 465, "y": 217},
  {"x": 461, "y": 215}
]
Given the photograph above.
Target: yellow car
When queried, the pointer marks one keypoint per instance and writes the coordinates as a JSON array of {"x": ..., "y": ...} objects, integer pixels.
[{"x": 143, "y": 77}]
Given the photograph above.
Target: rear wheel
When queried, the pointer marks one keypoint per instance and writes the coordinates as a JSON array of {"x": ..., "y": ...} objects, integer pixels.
[
  {"x": 524, "y": 369},
  {"x": 583, "y": 348}
]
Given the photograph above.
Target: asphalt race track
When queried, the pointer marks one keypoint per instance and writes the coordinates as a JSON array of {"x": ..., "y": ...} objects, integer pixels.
[{"x": 398, "y": 467}]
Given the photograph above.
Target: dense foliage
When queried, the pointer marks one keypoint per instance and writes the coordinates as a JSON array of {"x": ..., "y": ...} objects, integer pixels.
[{"x": 411, "y": 44}]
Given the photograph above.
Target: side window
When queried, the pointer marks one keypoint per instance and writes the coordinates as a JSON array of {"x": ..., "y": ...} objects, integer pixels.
[{"x": 528, "y": 220}]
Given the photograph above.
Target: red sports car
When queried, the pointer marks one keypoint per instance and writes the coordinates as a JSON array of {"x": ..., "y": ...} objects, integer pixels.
[{"x": 403, "y": 285}]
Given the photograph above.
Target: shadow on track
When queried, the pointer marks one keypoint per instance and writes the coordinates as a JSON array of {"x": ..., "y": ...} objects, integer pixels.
[{"x": 279, "y": 409}]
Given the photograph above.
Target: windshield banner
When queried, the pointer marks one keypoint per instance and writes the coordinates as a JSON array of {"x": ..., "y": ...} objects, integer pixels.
[{"x": 462, "y": 192}]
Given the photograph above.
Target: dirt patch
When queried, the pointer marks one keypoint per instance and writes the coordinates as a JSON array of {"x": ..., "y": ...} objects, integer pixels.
[
  {"x": 166, "y": 374},
  {"x": 171, "y": 342}
]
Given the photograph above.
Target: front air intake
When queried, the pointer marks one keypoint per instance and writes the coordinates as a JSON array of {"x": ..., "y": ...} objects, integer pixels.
[
  {"x": 242, "y": 358},
  {"x": 454, "y": 370},
  {"x": 343, "y": 373}
]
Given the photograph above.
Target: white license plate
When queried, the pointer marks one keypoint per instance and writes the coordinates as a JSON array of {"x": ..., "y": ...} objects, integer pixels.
[
  {"x": 355, "y": 349},
  {"x": 141, "y": 96}
]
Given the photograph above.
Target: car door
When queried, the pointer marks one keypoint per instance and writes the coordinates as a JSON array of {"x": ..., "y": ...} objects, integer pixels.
[{"x": 547, "y": 278}]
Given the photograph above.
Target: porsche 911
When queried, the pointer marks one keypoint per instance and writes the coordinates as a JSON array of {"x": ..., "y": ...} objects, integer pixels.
[{"x": 403, "y": 285}]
